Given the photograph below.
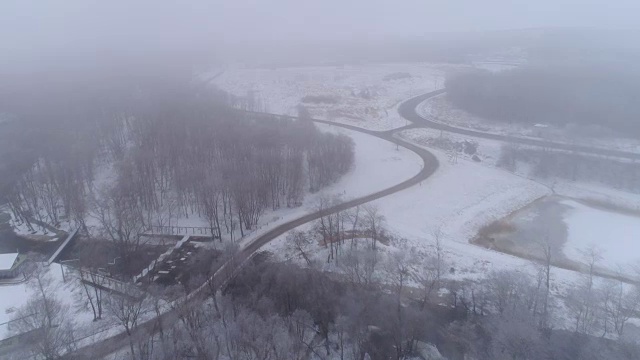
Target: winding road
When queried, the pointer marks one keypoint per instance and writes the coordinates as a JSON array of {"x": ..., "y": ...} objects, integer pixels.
[
  {"x": 228, "y": 269},
  {"x": 408, "y": 110},
  {"x": 430, "y": 164}
]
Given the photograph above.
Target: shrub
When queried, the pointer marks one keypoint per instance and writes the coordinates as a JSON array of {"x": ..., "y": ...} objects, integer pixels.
[
  {"x": 320, "y": 99},
  {"x": 396, "y": 76}
]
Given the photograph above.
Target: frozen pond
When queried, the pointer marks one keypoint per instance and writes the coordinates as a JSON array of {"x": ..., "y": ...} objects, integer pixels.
[
  {"x": 617, "y": 234},
  {"x": 569, "y": 227}
]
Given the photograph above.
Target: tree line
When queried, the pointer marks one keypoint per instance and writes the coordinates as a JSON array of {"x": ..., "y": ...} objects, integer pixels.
[
  {"x": 546, "y": 163},
  {"x": 590, "y": 95},
  {"x": 168, "y": 151}
]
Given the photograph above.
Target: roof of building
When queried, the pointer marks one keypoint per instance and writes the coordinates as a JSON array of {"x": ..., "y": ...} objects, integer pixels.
[{"x": 7, "y": 261}]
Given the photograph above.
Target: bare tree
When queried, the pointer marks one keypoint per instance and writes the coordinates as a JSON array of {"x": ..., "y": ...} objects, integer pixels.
[
  {"x": 91, "y": 260},
  {"x": 44, "y": 320},
  {"x": 400, "y": 268},
  {"x": 122, "y": 222},
  {"x": 301, "y": 243},
  {"x": 545, "y": 276},
  {"x": 128, "y": 311},
  {"x": 431, "y": 272},
  {"x": 361, "y": 265},
  {"x": 374, "y": 222}
]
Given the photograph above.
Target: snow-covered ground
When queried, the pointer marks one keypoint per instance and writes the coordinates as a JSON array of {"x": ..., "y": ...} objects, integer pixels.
[
  {"x": 598, "y": 193},
  {"x": 460, "y": 198},
  {"x": 611, "y": 231},
  {"x": 457, "y": 200},
  {"x": 39, "y": 233},
  {"x": 616, "y": 234},
  {"x": 13, "y": 296},
  {"x": 378, "y": 164},
  {"x": 365, "y": 95},
  {"x": 488, "y": 151},
  {"x": 495, "y": 66}
]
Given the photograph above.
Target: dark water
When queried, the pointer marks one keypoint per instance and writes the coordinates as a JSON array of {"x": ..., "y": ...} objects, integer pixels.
[{"x": 10, "y": 242}]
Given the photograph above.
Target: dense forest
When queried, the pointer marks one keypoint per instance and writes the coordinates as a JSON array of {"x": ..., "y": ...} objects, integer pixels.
[
  {"x": 581, "y": 95},
  {"x": 279, "y": 311},
  {"x": 130, "y": 160}
]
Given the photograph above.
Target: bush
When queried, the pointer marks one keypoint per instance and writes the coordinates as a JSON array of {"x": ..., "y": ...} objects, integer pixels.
[
  {"x": 397, "y": 76},
  {"x": 496, "y": 227},
  {"x": 320, "y": 99},
  {"x": 470, "y": 147}
]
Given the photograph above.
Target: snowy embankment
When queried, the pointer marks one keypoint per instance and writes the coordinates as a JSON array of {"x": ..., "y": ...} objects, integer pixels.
[{"x": 361, "y": 95}]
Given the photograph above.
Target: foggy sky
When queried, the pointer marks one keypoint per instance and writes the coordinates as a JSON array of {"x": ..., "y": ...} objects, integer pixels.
[{"x": 30, "y": 29}]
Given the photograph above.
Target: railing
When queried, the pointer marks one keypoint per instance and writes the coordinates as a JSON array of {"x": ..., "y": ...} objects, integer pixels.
[
  {"x": 109, "y": 283},
  {"x": 160, "y": 259},
  {"x": 62, "y": 247},
  {"x": 182, "y": 230}
]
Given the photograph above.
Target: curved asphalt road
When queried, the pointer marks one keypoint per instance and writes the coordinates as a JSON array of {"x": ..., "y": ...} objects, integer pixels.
[
  {"x": 229, "y": 269},
  {"x": 408, "y": 110}
]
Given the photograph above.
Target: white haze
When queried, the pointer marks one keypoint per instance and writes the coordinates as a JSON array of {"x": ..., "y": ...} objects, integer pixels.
[{"x": 57, "y": 32}]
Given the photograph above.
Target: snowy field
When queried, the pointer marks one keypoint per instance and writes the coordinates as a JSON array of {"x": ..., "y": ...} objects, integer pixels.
[
  {"x": 616, "y": 234},
  {"x": 457, "y": 200},
  {"x": 379, "y": 164},
  {"x": 364, "y": 95}
]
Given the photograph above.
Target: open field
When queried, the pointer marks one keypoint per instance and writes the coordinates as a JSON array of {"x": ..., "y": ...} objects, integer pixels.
[{"x": 361, "y": 95}]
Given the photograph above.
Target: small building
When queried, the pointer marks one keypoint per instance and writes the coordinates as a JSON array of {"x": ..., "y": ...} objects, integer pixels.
[{"x": 9, "y": 265}]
